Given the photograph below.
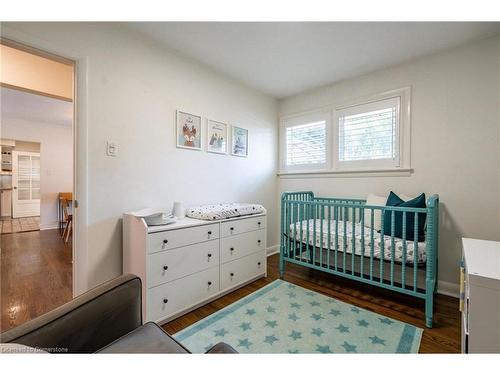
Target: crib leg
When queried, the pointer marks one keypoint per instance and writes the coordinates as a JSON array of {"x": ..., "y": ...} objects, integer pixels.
[
  {"x": 282, "y": 265},
  {"x": 429, "y": 303}
]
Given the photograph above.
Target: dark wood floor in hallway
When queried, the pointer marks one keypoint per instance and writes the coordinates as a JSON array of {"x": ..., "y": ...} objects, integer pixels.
[
  {"x": 36, "y": 275},
  {"x": 443, "y": 338}
]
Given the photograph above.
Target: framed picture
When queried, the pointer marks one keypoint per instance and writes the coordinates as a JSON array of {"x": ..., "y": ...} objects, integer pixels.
[
  {"x": 188, "y": 131},
  {"x": 239, "y": 142},
  {"x": 216, "y": 137}
]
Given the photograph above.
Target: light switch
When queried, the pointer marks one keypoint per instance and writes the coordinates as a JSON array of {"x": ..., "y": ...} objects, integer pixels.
[{"x": 111, "y": 148}]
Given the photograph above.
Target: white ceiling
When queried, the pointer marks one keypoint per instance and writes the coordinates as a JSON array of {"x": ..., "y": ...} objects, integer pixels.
[
  {"x": 283, "y": 59},
  {"x": 22, "y": 105}
]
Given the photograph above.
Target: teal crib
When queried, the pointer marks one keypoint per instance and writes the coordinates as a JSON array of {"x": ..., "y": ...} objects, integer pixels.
[{"x": 339, "y": 236}]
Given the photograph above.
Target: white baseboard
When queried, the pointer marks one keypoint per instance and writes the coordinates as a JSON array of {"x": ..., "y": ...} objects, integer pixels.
[
  {"x": 273, "y": 250},
  {"x": 49, "y": 226},
  {"x": 448, "y": 289}
]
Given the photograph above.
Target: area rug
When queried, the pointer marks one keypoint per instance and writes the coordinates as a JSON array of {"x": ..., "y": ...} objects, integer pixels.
[{"x": 285, "y": 318}]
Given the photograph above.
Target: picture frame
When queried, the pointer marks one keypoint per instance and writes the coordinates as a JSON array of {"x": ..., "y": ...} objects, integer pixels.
[
  {"x": 239, "y": 141},
  {"x": 217, "y": 137},
  {"x": 188, "y": 132}
]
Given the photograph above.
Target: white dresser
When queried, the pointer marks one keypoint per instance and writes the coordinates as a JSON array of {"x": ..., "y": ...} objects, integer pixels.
[
  {"x": 481, "y": 296},
  {"x": 191, "y": 262}
]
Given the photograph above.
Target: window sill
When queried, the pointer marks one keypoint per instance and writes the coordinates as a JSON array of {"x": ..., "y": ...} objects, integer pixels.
[{"x": 392, "y": 172}]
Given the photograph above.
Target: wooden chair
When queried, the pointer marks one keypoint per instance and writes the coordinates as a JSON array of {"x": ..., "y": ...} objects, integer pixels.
[{"x": 68, "y": 219}]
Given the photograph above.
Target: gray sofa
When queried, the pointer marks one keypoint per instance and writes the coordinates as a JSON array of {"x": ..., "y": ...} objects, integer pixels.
[{"x": 106, "y": 319}]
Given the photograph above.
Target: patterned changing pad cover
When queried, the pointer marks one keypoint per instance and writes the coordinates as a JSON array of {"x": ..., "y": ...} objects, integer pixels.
[{"x": 224, "y": 211}]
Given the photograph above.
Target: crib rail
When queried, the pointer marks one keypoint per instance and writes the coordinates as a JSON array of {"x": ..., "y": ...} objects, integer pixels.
[{"x": 340, "y": 236}]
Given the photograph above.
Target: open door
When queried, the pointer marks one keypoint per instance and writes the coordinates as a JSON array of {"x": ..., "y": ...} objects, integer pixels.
[{"x": 25, "y": 184}]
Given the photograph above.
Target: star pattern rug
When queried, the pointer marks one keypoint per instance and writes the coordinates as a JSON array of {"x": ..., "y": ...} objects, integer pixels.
[{"x": 285, "y": 318}]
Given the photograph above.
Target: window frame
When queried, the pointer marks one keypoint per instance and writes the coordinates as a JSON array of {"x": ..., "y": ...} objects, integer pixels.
[
  {"x": 303, "y": 119},
  {"x": 387, "y": 163},
  {"x": 351, "y": 168}
]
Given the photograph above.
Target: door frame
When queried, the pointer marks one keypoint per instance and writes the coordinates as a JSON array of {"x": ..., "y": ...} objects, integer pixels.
[
  {"x": 29, "y": 42},
  {"x": 15, "y": 179}
]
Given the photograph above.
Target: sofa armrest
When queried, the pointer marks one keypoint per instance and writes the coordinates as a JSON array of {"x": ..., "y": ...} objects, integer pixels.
[
  {"x": 87, "y": 323},
  {"x": 221, "y": 348}
]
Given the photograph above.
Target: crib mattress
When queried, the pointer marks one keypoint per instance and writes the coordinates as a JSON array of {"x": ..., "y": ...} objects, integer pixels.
[
  {"x": 314, "y": 226},
  {"x": 224, "y": 211}
]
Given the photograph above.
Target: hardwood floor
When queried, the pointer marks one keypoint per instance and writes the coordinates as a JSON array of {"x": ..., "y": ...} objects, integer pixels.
[
  {"x": 443, "y": 338},
  {"x": 36, "y": 275}
]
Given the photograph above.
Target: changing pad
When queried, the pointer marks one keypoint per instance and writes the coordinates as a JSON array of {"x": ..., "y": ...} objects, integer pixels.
[{"x": 224, "y": 211}]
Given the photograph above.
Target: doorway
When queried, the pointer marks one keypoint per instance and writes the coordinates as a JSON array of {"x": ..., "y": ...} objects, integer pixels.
[{"x": 37, "y": 143}]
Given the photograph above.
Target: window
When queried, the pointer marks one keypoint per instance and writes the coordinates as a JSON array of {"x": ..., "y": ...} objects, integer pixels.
[
  {"x": 367, "y": 135},
  {"x": 305, "y": 142}
]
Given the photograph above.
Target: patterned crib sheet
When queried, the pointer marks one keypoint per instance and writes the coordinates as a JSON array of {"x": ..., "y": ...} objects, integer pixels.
[
  {"x": 224, "y": 211},
  {"x": 330, "y": 243}
]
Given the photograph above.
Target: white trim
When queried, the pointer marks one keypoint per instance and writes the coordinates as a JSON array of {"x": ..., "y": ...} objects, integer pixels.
[
  {"x": 80, "y": 147},
  {"x": 394, "y": 172},
  {"x": 49, "y": 226},
  {"x": 273, "y": 250},
  {"x": 448, "y": 289}
]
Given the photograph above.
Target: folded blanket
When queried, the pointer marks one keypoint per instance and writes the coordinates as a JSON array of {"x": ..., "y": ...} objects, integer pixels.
[{"x": 224, "y": 211}]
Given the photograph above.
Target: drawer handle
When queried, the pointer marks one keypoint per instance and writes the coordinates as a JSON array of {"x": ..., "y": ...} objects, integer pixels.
[
  {"x": 165, "y": 300},
  {"x": 232, "y": 249},
  {"x": 209, "y": 283},
  {"x": 209, "y": 232},
  {"x": 231, "y": 229},
  {"x": 209, "y": 255},
  {"x": 165, "y": 242},
  {"x": 258, "y": 264},
  {"x": 231, "y": 274},
  {"x": 258, "y": 223},
  {"x": 165, "y": 268},
  {"x": 259, "y": 241}
]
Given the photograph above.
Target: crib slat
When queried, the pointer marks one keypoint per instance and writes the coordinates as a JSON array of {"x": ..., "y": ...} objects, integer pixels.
[
  {"x": 336, "y": 236},
  {"x": 353, "y": 241},
  {"x": 299, "y": 218},
  {"x": 372, "y": 242},
  {"x": 403, "y": 271},
  {"x": 295, "y": 221},
  {"x": 415, "y": 251},
  {"x": 329, "y": 238},
  {"x": 392, "y": 246},
  {"x": 322, "y": 220},
  {"x": 307, "y": 218},
  {"x": 382, "y": 247},
  {"x": 315, "y": 216},
  {"x": 362, "y": 218},
  {"x": 344, "y": 240}
]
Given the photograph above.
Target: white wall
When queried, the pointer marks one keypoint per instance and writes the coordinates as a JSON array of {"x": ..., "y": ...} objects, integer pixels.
[
  {"x": 56, "y": 160},
  {"x": 134, "y": 87},
  {"x": 455, "y": 141}
]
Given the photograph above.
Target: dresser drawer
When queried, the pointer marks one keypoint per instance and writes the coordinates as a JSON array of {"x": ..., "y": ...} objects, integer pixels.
[
  {"x": 172, "y": 239},
  {"x": 241, "y": 245},
  {"x": 173, "y": 264},
  {"x": 172, "y": 297},
  {"x": 230, "y": 228},
  {"x": 243, "y": 269}
]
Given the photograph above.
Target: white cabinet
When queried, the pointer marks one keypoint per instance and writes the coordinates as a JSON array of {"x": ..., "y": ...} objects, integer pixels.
[
  {"x": 191, "y": 262},
  {"x": 481, "y": 296}
]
